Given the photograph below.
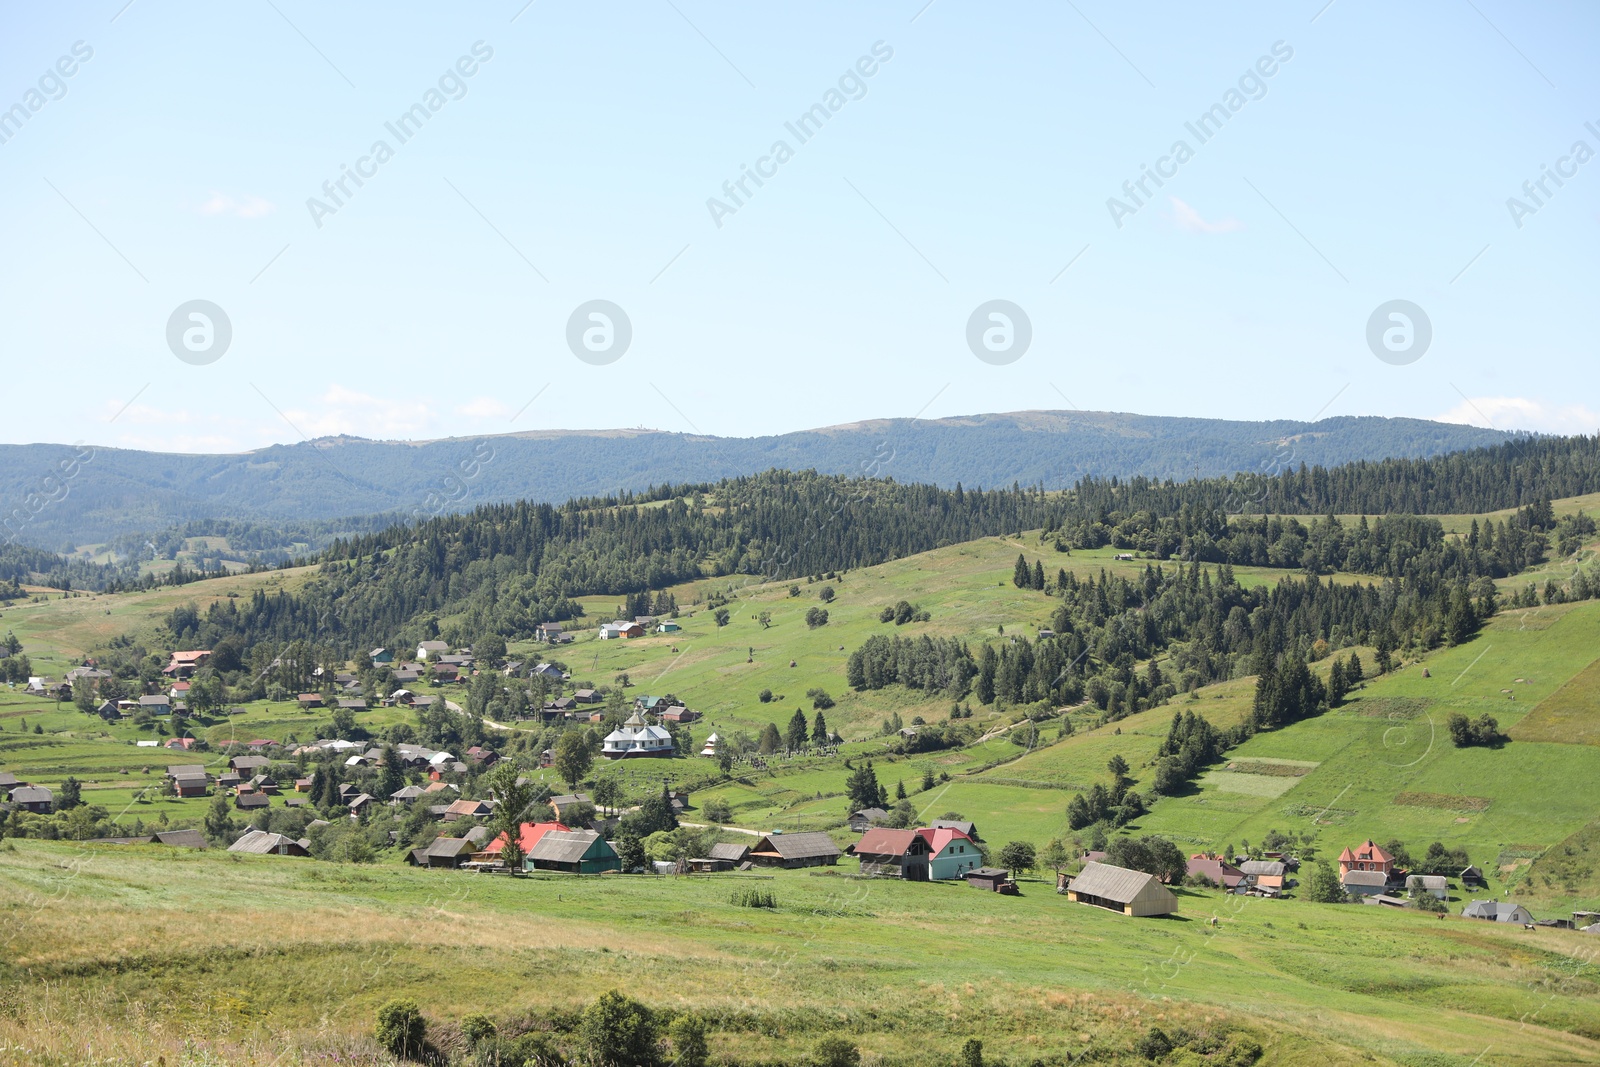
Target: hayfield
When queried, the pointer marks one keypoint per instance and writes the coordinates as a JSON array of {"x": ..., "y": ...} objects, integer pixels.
[{"x": 267, "y": 959}]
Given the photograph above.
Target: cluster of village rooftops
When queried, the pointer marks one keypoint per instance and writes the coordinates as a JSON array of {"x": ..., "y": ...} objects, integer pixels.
[{"x": 944, "y": 850}]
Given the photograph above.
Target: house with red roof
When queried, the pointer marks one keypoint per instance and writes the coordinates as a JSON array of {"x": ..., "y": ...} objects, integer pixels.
[
  {"x": 1216, "y": 871},
  {"x": 951, "y": 853},
  {"x": 886, "y": 853},
  {"x": 528, "y": 835},
  {"x": 183, "y": 664},
  {"x": 1365, "y": 857}
]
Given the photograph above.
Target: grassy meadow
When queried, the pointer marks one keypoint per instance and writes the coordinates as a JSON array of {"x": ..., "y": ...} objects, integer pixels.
[{"x": 256, "y": 960}]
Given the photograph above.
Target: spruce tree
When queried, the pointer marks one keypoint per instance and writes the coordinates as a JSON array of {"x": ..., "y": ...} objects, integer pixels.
[
  {"x": 1021, "y": 576},
  {"x": 797, "y": 733}
]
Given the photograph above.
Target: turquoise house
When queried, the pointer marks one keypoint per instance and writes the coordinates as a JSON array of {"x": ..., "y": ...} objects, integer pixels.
[{"x": 951, "y": 853}]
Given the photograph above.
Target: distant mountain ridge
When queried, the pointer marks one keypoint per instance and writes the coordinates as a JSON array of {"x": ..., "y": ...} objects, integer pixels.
[{"x": 117, "y": 491}]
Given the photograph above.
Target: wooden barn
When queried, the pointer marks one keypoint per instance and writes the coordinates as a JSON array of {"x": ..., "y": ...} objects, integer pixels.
[
  {"x": 795, "y": 850},
  {"x": 1119, "y": 889}
]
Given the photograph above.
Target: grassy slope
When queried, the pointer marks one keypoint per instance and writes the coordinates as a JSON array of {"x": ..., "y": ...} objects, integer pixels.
[
  {"x": 1370, "y": 752},
  {"x": 266, "y": 956}
]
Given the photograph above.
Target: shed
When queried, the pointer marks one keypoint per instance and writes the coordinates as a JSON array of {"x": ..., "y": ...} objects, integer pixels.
[
  {"x": 990, "y": 878},
  {"x": 814, "y": 849},
  {"x": 1119, "y": 889},
  {"x": 573, "y": 851},
  {"x": 723, "y": 857},
  {"x": 261, "y": 843}
]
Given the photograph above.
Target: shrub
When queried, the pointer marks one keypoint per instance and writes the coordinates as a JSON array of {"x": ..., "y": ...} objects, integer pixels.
[
  {"x": 765, "y": 696},
  {"x": 476, "y": 1027},
  {"x": 717, "y": 810},
  {"x": 835, "y": 1052},
  {"x": 1241, "y": 1052},
  {"x": 402, "y": 1029},
  {"x": 618, "y": 1031},
  {"x": 971, "y": 1053},
  {"x": 753, "y": 898},
  {"x": 688, "y": 1034},
  {"x": 1154, "y": 1045},
  {"x": 816, "y": 617}
]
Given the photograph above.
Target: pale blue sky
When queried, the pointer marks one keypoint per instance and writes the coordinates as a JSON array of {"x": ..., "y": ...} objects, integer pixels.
[{"x": 976, "y": 166}]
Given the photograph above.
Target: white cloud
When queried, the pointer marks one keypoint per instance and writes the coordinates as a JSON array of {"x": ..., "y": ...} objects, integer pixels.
[
  {"x": 249, "y": 207},
  {"x": 343, "y": 410},
  {"x": 487, "y": 409},
  {"x": 1523, "y": 413},
  {"x": 1187, "y": 218}
]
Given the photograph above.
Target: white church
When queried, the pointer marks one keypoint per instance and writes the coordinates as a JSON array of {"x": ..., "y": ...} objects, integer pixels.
[{"x": 636, "y": 738}]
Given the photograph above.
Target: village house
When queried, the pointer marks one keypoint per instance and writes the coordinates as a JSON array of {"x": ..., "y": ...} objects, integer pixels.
[
  {"x": 160, "y": 704},
  {"x": 1365, "y": 883},
  {"x": 248, "y": 764},
  {"x": 1119, "y": 889},
  {"x": 1266, "y": 876},
  {"x": 588, "y": 696},
  {"x": 183, "y": 664},
  {"x": 1435, "y": 884},
  {"x": 812, "y": 849},
  {"x": 1218, "y": 872},
  {"x": 430, "y": 650},
  {"x": 866, "y": 818},
  {"x": 528, "y": 835},
  {"x": 566, "y": 802},
  {"x": 886, "y": 853},
  {"x": 443, "y": 852},
  {"x": 968, "y": 828},
  {"x": 610, "y": 631},
  {"x": 1501, "y": 911},
  {"x": 636, "y": 738},
  {"x": 250, "y": 801},
  {"x": 171, "y": 838},
  {"x": 1365, "y": 857},
  {"x": 951, "y": 853},
  {"x": 668, "y": 627},
  {"x": 467, "y": 809},
  {"x": 33, "y": 798},
  {"x": 550, "y": 633}
]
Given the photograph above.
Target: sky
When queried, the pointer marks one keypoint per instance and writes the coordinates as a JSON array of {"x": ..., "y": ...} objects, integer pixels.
[{"x": 1287, "y": 210}]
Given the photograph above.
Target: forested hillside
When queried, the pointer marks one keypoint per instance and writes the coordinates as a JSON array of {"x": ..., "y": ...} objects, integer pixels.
[
  {"x": 506, "y": 568},
  {"x": 114, "y": 492}
]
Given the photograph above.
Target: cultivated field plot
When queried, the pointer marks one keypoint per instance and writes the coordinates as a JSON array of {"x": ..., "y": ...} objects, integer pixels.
[{"x": 1570, "y": 715}]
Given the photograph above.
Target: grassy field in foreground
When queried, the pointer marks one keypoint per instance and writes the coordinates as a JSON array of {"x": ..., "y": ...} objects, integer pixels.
[{"x": 268, "y": 959}]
